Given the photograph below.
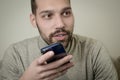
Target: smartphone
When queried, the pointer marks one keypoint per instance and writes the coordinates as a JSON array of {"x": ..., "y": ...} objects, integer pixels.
[{"x": 57, "y": 48}]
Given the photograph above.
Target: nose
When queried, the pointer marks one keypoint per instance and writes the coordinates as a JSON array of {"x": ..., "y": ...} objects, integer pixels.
[{"x": 59, "y": 22}]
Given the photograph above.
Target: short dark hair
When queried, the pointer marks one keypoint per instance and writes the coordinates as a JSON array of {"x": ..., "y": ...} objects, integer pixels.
[{"x": 34, "y": 6}]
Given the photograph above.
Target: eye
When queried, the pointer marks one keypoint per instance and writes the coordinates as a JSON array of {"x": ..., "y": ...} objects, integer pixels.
[
  {"x": 47, "y": 16},
  {"x": 66, "y": 13}
]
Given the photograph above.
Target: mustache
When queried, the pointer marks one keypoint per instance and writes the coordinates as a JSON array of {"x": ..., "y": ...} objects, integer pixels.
[{"x": 59, "y": 30}]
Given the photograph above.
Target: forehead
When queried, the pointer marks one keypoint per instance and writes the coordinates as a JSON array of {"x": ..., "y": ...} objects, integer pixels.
[{"x": 52, "y": 4}]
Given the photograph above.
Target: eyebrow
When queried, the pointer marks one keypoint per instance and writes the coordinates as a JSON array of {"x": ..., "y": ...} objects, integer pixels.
[
  {"x": 50, "y": 11},
  {"x": 46, "y": 11},
  {"x": 66, "y": 8}
]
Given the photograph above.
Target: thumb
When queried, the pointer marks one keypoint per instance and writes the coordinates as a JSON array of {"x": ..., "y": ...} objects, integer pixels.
[{"x": 42, "y": 59}]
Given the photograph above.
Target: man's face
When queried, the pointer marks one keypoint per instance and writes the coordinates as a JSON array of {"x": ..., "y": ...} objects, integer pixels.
[{"x": 55, "y": 21}]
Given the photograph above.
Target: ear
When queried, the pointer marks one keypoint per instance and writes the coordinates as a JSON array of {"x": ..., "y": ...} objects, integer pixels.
[{"x": 33, "y": 20}]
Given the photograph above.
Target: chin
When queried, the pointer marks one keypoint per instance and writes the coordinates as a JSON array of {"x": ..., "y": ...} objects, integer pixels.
[{"x": 63, "y": 42}]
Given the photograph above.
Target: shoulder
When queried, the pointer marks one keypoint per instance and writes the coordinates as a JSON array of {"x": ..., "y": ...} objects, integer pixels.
[
  {"x": 90, "y": 46},
  {"x": 87, "y": 41},
  {"x": 27, "y": 42},
  {"x": 22, "y": 47}
]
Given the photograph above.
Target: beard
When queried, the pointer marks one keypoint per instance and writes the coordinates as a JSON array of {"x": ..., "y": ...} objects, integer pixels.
[
  {"x": 50, "y": 40},
  {"x": 65, "y": 41}
]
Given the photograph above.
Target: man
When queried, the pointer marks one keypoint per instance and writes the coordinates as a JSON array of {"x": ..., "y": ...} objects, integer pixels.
[
  {"x": 54, "y": 20},
  {"x": 117, "y": 65}
]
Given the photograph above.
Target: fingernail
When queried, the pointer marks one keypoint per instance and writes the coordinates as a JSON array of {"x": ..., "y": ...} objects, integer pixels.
[{"x": 51, "y": 53}]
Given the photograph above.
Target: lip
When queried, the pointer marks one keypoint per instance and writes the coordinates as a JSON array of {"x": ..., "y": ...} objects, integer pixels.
[{"x": 60, "y": 36}]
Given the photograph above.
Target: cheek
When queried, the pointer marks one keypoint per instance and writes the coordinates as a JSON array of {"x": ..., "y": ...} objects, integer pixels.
[
  {"x": 70, "y": 23},
  {"x": 45, "y": 27}
]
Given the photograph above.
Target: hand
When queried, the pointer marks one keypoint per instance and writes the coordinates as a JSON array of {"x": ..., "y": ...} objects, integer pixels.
[{"x": 40, "y": 70}]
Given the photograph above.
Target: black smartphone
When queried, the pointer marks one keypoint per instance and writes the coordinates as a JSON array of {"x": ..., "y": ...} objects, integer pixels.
[{"x": 57, "y": 48}]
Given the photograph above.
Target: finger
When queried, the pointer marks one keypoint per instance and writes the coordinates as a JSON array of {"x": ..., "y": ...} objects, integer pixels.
[
  {"x": 65, "y": 67},
  {"x": 52, "y": 77},
  {"x": 58, "y": 63},
  {"x": 45, "y": 57},
  {"x": 55, "y": 71}
]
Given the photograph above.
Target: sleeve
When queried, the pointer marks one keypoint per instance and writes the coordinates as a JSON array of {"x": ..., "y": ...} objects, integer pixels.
[
  {"x": 103, "y": 67},
  {"x": 9, "y": 67}
]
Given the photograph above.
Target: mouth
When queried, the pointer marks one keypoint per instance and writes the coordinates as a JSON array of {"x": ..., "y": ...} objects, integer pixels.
[{"x": 60, "y": 36}]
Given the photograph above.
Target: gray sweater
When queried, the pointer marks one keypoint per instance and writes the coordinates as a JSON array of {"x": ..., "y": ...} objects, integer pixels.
[{"x": 91, "y": 59}]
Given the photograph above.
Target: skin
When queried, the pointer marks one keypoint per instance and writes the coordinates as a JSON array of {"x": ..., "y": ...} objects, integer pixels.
[
  {"x": 39, "y": 70},
  {"x": 54, "y": 20}
]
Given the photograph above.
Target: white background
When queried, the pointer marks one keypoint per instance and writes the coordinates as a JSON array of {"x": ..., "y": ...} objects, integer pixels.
[{"x": 99, "y": 19}]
